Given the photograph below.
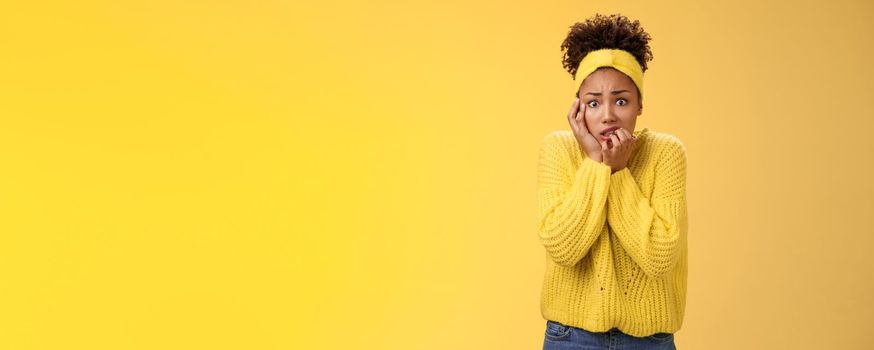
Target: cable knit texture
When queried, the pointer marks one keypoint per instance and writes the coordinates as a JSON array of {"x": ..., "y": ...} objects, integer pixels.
[{"x": 615, "y": 243}]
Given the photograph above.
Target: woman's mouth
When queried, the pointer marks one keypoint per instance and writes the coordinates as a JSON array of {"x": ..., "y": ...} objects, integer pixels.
[{"x": 606, "y": 136}]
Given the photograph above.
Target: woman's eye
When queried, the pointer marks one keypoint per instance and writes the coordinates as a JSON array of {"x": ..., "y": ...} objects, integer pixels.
[
  {"x": 593, "y": 103},
  {"x": 621, "y": 102}
]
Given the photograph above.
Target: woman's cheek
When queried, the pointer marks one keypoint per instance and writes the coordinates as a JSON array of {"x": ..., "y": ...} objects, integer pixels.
[{"x": 589, "y": 124}]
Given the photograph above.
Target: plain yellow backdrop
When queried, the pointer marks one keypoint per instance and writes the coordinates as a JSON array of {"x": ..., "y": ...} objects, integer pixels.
[{"x": 361, "y": 174}]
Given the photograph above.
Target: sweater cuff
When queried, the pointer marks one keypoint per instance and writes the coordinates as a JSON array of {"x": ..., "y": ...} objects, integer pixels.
[
  {"x": 598, "y": 166},
  {"x": 628, "y": 201}
]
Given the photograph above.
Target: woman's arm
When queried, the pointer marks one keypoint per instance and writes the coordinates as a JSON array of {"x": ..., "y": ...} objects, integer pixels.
[
  {"x": 652, "y": 231},
  {"x": 572, "y": 203}
]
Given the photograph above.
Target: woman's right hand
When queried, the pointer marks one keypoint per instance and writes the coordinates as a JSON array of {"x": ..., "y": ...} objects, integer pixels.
[{"x": 587, "y": 142}]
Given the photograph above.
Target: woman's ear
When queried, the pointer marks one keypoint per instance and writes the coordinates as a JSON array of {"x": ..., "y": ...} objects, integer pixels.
[{"x": 640, "y": 98}]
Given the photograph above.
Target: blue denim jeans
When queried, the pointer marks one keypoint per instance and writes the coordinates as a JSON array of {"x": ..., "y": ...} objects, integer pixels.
[{"x": 563, "y": 337}]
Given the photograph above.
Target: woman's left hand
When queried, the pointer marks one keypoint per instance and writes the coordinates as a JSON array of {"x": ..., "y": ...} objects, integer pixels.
[{"x": 618, "y": 154}]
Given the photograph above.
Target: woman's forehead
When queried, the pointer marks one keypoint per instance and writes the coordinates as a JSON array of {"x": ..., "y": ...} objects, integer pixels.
[{"x": 606, "y": 78}]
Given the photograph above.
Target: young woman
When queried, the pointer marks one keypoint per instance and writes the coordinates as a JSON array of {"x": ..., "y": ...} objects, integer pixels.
[{"x": 612, "y": 202}]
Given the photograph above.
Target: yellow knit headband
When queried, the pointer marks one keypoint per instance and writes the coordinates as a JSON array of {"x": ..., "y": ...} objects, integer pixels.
[{"x": 622, "y": 60}]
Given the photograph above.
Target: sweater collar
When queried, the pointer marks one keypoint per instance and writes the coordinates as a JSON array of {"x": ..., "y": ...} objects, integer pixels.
[{"x": 640, "y": 132}]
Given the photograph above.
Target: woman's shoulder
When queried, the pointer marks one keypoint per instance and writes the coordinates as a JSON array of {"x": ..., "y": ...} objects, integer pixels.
[
  {"x": 668, "y": 151},
  {"x": 558, "y": 140},
  {"x": 653, "y": 141},
  {"x": 664, "y": 142},
  {"x": 560, "y": 146}
]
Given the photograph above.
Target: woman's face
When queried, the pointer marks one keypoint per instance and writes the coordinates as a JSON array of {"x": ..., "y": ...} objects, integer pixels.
[{"x": 611, "y": 100}]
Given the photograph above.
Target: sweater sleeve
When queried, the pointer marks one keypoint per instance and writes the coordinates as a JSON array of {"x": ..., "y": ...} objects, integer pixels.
[
  {"x": 652, "y": 231},
  {"x": 572, "y": 201}
]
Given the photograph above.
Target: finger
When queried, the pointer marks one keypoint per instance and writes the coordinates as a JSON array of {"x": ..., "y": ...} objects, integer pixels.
[
  {"x": 624, "y": 137},
  {"x": 583, "y": 117},
  {"x": 615, "y": 139},
  {"x": 633, "y": 139},
  {"x": 630, "y": 139},
  {"x": 574, "y": 108},
  {"x": 630, "y": 135},
  {"x": 580, "y": 108}
]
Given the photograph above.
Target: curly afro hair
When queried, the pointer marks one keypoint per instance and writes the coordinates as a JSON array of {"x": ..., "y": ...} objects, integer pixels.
[{"x": 605, "y": 32}]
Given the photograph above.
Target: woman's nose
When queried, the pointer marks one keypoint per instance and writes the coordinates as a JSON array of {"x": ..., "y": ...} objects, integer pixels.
[{"x": 608, "y": 114}]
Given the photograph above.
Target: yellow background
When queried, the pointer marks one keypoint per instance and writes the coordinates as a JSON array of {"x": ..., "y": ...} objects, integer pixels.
[{"x": 351, "y": 174}]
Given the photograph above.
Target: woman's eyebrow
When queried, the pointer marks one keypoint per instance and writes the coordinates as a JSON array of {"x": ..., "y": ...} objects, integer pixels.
[{"x": 614, "y": 92}]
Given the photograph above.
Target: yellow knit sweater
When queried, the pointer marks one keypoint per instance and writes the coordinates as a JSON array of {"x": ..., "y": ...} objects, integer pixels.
[{"x": 615, "y": 243}]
